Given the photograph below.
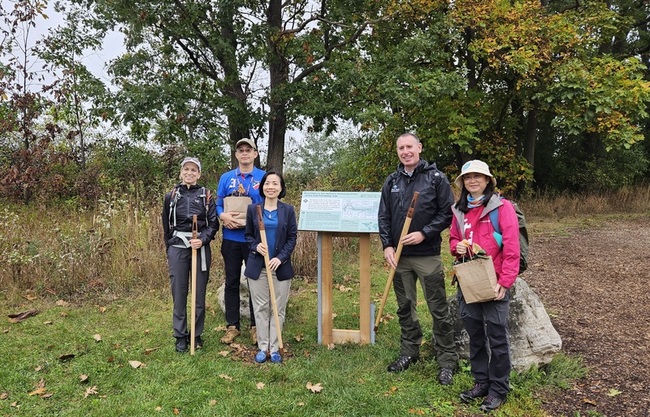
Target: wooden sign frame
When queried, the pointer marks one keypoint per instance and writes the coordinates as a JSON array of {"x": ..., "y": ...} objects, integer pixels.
[{"x": 327, "y": 334}]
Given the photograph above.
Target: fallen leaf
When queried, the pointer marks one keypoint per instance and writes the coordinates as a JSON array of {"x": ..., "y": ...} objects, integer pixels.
[
  {"x": 47, "y": 323},
  {"x": 159, "y": 408},
  {"x": 299, "y": 337},
  {"x": 102, "y": 309},
  {"x": 146, "y": 331},
  {"x": 176, "y": 411},
  {"x": 613, "y": 392},
  {"x": 62, "y": 303},
  {"x": 38, "y": 391},
  {"x": 48, "y": 395},
  {"x": 18, "y": 317},
  {"x": 63, "y": 314},
  {"x": 301, "y": 404},
  {"x": 149, "y": 351},
  {"x": 38, "y": 368},
  {"x": 83, "y": 378},
  {"x": 90, "y": 391},
  {"x": 588, "y": 401},
  {"x": 110, "y": 359},
  {"x": 212, "y": 403},
  {"x": 226, "y": 377},
  {"x": 4, "y": 396},
  {"x": 315, "y": 388},
  {"x": 390, "y": 391},
  {"x": 417, "y": 411},
  {"x": 136, "y": 364},
  {"x": 260, "y": 385},
  {"x": 97, "y": 337},
  {"x": 343, "y": 288},
  {"x": 30, "y": 297},
  {"x": 224, "y": 353},
  {"x": 14, "y": 404},
  {"x": 331, "y": 346}
]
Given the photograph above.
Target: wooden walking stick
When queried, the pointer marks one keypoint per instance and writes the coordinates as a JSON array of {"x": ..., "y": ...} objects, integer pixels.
[
  {"x": 269, "y": 276},
  {"x": 398, "y": 253},
  {"x": 193, "y": 308}
]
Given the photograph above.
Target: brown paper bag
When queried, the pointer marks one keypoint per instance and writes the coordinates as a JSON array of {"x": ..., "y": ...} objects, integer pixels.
[
  {"x": 477, "y": 279},
  {"x": 238, "y": 204}
]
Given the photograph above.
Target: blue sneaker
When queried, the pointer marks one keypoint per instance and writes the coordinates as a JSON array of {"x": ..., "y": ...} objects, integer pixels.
[
  {"x": 260, "y": 357},
  {"x": 275, "y": 357}
]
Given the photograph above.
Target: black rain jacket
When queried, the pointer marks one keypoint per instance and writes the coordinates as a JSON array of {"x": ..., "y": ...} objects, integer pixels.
[{"x": 432, "y": 212}]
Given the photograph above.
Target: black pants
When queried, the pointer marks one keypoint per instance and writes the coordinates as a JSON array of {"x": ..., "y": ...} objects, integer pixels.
[
  {"x": 234, "y": 253},
  {"x": 489, "y": 345},
  {"x": 179, "y": 261}
]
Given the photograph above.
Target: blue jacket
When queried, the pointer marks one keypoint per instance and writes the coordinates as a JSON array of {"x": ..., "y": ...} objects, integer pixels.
[
  {"x": 229, "y": 185},
  {"x": 285, "y": 242}
]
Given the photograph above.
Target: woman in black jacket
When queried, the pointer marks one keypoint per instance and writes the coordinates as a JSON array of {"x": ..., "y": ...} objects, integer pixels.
[
  {"x": 185, "y": 200},
  {"x": 282, "y": 232}
]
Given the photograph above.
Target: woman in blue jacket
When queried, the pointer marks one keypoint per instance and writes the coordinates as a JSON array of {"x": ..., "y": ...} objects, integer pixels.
[{"x": 281, "y": 234}]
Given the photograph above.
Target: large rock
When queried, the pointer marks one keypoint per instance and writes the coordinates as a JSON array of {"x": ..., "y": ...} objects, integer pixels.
[
  {"x": 244, "y": 299},
  {"x": 533, "y": 339}
]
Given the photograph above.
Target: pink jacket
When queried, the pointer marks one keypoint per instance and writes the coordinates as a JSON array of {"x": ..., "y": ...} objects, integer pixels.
[{"x": 506, "y": 257}]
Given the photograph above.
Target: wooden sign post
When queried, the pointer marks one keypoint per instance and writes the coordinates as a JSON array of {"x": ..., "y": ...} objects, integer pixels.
[{"x": 348, "y": 215}]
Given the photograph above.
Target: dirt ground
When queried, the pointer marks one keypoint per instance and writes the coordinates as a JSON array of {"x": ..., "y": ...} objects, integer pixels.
[{"x": 595, "y": 284}]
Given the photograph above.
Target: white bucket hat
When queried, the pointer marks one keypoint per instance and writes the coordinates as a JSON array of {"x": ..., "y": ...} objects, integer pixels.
[{"x": 474, "y": 166}]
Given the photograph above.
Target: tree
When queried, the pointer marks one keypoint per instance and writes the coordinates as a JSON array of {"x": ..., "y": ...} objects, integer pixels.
[
  {"x": 472, "y": 77},
  {"x": 80, "y": 97},
  {"x": 223, "y": 69}
]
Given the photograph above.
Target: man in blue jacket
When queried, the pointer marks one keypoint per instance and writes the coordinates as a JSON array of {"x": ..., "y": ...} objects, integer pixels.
[
  {"x": 420, "y": 256},
  {"x": 243, "y": 181}
]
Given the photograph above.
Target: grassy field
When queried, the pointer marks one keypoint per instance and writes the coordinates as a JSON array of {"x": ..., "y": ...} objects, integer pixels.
[
  {"x": 101, "y": 341},
  {"x": 71, "y": 360}
]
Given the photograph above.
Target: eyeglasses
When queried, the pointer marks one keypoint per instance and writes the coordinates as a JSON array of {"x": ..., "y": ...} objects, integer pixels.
[{"x": 473, "y": 177}]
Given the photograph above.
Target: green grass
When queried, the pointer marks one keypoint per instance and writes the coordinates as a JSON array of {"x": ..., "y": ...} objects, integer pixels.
[
  {"x": 353, "y": 377},
  {"x": 111, "y": 266}
]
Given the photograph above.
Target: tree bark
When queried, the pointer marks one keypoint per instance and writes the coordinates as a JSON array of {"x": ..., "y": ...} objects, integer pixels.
[{"x": 279, "y": 76}]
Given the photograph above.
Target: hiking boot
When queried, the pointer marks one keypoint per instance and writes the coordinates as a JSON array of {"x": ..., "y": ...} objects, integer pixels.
[
  {"x": 260, "y": 357},
  {"x": 231, "y": 333},
  {"x": 402, "y": 363},
  {"x": 198, "y": 342},
  {"x": 491, "y": 403},
  {"x": 446, "y": 376},
  {"x": 253, "y": 333},
  {"x": 275, "y": 357},
  {"x": 181, "y": 344},
  {"x": 479, "y": 390}
]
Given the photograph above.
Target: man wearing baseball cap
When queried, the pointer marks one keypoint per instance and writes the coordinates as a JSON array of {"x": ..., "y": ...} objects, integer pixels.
[{"x": 241, "y": 182}]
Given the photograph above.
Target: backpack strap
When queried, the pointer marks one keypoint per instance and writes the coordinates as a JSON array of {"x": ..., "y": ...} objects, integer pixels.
[
  {"x": 494, "y": 219},
  {"x": 173, "y": 198}
]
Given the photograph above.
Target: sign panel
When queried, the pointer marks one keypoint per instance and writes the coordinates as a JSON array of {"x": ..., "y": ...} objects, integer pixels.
[{"x": 332, "y": 211}]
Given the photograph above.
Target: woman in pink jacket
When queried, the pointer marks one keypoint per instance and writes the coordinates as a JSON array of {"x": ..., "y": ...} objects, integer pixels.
[{"x": 486, "y": 322}]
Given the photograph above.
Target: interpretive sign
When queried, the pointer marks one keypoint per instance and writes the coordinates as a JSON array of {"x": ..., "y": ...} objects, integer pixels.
[{"x": 331, "y": 211}]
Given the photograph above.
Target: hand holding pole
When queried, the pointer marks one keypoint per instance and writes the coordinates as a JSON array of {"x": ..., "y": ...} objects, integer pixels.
[
  {"x": 398, "y": 253},
  {"x": 269, "y": 274}
]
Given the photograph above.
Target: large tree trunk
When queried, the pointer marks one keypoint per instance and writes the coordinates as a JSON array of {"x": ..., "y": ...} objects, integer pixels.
[{"x": 279, "y": 75}]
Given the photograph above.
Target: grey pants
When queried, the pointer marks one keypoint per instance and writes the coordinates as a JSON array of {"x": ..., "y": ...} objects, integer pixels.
[
  {"x": 180, "y": 269},
  {"x": 267, "y": 332},
  {"x": 429, "y": 271}
]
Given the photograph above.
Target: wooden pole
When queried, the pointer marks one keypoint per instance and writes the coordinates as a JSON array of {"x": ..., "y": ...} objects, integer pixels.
[
  {"x": 398, "y": 253},
  {"x": 269, "y": 275},
  {"x": 193, "y": 308}
]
